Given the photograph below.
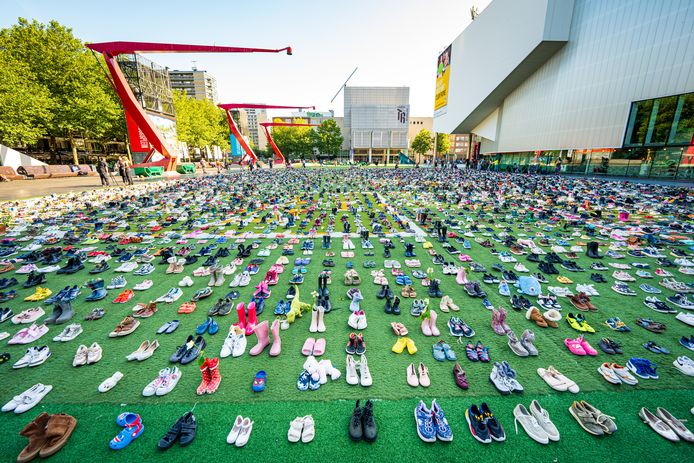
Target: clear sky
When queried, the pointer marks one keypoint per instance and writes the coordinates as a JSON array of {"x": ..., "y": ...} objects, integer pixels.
[{"x": 394, "y": 42}]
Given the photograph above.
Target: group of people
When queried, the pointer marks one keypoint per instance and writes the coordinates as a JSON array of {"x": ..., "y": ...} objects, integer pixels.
[{"x": 122, "y": 166}]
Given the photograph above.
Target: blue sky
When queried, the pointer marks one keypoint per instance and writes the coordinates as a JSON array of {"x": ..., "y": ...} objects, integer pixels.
[{"x": 394, "y": 43}]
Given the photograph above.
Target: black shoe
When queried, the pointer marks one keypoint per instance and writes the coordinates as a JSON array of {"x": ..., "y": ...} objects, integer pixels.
[
  {"x": 395, "y": 306},
  {"x": 181, "y": 351},
  {"x": 7, "y": 282},
  {"x": 35, "y": 279},
  {"x": 356, "y": 427},
  {"x": 172, "y": 434},
  {"x": 386, "y": 253},
  {"x": 382, "y": 293},
  {"x": 192, "y": 353},
  {"x": 532, "y": 257},
  {"x": 388, "y": 307},
  {"x": 370, "y": 430}
]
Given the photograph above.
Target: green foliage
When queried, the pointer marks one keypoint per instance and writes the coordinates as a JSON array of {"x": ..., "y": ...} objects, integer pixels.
[
  {"x": 423, "y": 142},
  {"x": 443, "y": 143},
  {"x": 66, "y": 92},
  {"x": 327, "y": 137},
  {"x": 200, "y": 122},
  {"x": 294, "y": 141}
]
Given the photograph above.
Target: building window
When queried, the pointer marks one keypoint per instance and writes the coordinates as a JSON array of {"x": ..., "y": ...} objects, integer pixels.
[{"x": 663, "y": 121}]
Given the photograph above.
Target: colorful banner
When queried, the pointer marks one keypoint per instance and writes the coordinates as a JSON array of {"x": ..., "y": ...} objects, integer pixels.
[
  {"x": 138, "y": 140},
  {"x": 443, "y": 72}
]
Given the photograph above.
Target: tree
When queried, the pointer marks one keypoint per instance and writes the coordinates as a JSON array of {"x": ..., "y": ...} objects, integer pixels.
[
  {"x": 25, "y": 105},
  {"x": 422, "y": 142},
  {"x": 443, "y": 143},
  {"x": 295, "y": 141},
  {"x": 80, "y": 99},
  {"x": 327, "y": 137},
  {"x": 200, "y": 123}
]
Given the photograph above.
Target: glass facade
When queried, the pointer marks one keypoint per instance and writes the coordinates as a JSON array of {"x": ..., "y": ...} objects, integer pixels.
[{"x": 658, "y": 143}]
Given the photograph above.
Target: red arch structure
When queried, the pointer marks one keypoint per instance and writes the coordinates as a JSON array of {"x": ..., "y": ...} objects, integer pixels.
[
  {"x": 228, "y": 107},
  {"x": 279, "y": 157},
  {"x": 133, "y": 109}
]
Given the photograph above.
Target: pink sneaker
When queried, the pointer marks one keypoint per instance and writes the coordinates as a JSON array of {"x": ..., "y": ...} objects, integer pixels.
[
  {"x": 574, "y": 346},
  {"x": 464, "y": 258},
  {"x": 586, "y": 347}
]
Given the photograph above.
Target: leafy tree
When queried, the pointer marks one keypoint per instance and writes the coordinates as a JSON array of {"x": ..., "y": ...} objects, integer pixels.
[
  {"x": 200, "y": 123},
  {"x": 443, "y": 143},
  {"x": 327, "y": 137},
  {"x": 294, "y": 141},
  {"x": 423, "y": 142},
  {"x": 81, "y": 100},
  {"x": 25, "y": 105}
]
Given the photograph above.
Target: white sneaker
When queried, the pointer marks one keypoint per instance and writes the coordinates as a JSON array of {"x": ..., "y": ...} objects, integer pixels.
[
  {"x": 529, "y": 423},
  {"x": 110, "y": 383},
  {"x": 32, "y": 398},
  {"x": 351, "y": 372},
  {"x": 169, "y": 382},
  {"x": 519, "y": 267},
  {"x": 26, "y": 358},
  {"x": 544, "y": 420},
  {"x": 687, "y": 318},
  {"x": 145, "y": 285},
  {"x": 127, "y": 267},
  {"x": 366, "y": 379},
  {"x": 186, "y": 281},
  {"x": 154, "y": 385},
  {"x": 239, "y": 343},
  {"x": 81, "y": 356},
  {"x": 69, "y": 333},
  {"x": 361, "y": 321},
  {"x": 94, "y": 353},
  {"x": 685, "y": 365},
  {"x": 353, "y": 320}
]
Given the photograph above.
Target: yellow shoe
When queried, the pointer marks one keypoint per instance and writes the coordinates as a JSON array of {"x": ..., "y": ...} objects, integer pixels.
[
  {"x": 427, "y": 245},
  {"x": 399, "y": 345},
  {"x": 39, "y": 294},
  {"x": 564, "y": 280},
  {"x": 411, "y": 348},
  {"x": 573, "y": 323}
]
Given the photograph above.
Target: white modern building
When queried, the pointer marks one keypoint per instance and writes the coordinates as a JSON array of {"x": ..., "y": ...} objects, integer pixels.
[
  {"x": 376, "y": 121},
  {"x": 255, "y": 131},
  {"x": 602, "y": 87}
]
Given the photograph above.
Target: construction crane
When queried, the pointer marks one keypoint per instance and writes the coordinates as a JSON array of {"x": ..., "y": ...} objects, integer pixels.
[{"x": 345, "y": 84}]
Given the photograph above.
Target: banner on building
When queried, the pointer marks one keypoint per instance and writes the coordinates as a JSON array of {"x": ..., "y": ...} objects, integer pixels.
[
  {"x": 443, "y": 73},
  {"x": 138, "y": 141}
]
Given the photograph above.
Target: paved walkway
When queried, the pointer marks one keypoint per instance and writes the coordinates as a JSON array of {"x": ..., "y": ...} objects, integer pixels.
[{"x": 25, "y": 189}]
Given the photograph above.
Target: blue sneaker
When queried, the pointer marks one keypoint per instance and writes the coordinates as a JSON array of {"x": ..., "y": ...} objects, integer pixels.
[
  {"x": 425, "y": 423},
  {"x": 641, "y": 367},
  {"x": 687, "y": 342},
  {"x": 504, "y": 290},
  {"x": 488, "y": 305},
  {"x": 213, "y": 327},
  {"x": 443, "y": 430},
  {"x": 202, "y": 328},
  {"x": 478, "y": 426},
  {"x": 303, "y": 381},
  {"x": 280, "y": 308},
  {"x": 496, "y": 430}
]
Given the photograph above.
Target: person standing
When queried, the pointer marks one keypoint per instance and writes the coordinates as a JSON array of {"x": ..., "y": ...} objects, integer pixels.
[
  {"x": 102, "y": 170},
  {"x": 123, "y": 167}
]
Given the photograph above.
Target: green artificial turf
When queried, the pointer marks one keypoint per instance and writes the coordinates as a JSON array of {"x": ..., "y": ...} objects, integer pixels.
[{"x": 75, "y": 389}]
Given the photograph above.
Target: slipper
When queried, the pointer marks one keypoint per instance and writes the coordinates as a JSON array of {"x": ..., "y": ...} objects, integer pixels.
[
  {"x": 132, "y": 430},
  {"x": 308, "y": 347},
  {"x": 259, "y": 381},
  {"x": 109, "y": 383},
  {"x": 319, "y": 347}
]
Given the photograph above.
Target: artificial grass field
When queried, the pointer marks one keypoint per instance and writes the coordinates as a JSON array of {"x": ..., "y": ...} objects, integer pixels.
[{"x": 75, "y": 389}]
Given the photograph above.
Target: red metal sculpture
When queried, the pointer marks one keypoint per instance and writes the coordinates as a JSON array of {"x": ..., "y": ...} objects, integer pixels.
[
  {"x": 110, "y": 50},
  {"x": 228, "y": 107},
  {"x": 279, "y": 157}
]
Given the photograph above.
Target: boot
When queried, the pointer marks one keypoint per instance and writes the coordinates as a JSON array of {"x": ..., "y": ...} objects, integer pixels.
[
  {"x": 502, "y": 319},
  {"x": 214, "y": 377},
  {"x": 213, "y": 276},
  {"x": 592, "y": 251},
  {"x": 66, "y": 312},
  {"x": 321, "y": 315},
  {"x": 35, "y": 431},
  {"x": 172, "y": 264},
  {"x": 58, "y": 431},
  {"x": 178, "y": 268},
  {"x": 396, "y": 306},
  {"x": 252, "y": 319},
  {"x": 241, "y": 312},
  {"x": 206, "y": 376},
  {"x": 314, "y": 321},
  {"x": 388, "y": 308},
  {"x": 57, "y": 311},
  {"x": 261, "y": 333},
  {"x": 432, "y": 323},
  {"x": 276, "y": 347},
  {"x": 382, "y": 293}
]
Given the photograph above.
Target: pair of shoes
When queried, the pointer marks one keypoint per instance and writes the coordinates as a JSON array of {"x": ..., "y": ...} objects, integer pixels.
[
  {"x": 210, "y": 376},
  {"x": 665, "y": 424},
  {"x": 431, "y": 423},
  {"x": 235, "y": 343},
  {"x": 301, "y": 428},
  {"x": 418, "y": 376},
  {"x": 87, "y": 355},
  {"x": 403, "y": 342},
  {"x": 33, "y": 357},
  {"x": 483, "y": 425},
  {"x": 145, "y": 351},
  {"x": 132, "y": 429},
  {"x": 47, "y": 434},
  {"x": 183, "y": 430},
  {"x": 189, "y": 350},
  {"x": 164, "y": 383},
  {"x": 352, "y": 377},
  {"x": 503, "y": 377},
  {"x": 240, "y": 431},
  {"x": 592, "y": 420},
  {"x": 616, "y": 374},
  {"x": 536, "y": 423},
  {"x": 362, "y": 424}
]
